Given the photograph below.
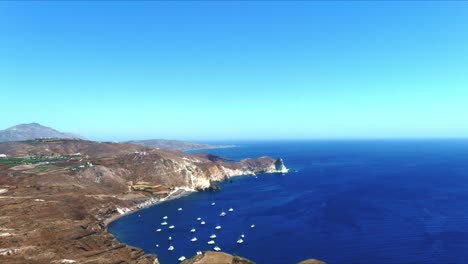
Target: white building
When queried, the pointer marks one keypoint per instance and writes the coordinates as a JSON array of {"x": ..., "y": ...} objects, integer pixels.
[{"x": 3, "y": 156}]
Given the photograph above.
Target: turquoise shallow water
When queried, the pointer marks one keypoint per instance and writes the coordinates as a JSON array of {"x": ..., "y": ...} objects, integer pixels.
[{"x": 345, "y": 202}]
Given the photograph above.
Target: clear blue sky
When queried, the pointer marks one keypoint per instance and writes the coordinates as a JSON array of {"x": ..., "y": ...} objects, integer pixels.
[{"x": 236, "y": 70}]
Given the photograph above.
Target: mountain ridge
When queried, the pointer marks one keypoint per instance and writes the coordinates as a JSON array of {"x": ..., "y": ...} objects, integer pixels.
[
  {"x": 179, "y": 145},
  {"x": 33, "y": 130}
]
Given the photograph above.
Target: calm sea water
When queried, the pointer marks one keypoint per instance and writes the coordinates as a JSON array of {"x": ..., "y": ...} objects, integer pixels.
[{"x": 345, "y": 202}]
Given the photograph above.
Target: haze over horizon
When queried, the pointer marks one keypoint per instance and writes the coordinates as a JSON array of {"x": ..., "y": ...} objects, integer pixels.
[{"x": 236, "y": 70}]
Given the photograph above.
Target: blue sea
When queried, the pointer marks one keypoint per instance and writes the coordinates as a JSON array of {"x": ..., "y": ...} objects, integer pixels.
[{"x": 388, "y": 201}]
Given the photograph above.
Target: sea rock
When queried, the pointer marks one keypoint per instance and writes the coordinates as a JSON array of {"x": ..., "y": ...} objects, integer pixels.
[
  {"x": 279, "y": 166},
  {"x": 312, "y": 261},
  {"x": 211, "y": 257}
]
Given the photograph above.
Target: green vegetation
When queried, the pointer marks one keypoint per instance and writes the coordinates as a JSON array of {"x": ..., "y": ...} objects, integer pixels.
[
  {"x": 14, "y": 161},
  {"x": 11, "y": 162},
  {"x": 31, "y": 142},
  {"x": 42, "y": 140},
  {"x": 42, "y": 168}
]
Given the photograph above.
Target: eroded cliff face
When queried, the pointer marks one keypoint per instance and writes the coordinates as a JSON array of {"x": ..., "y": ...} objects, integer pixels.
[
  {"x": 173, "y": 169},
  {"x": 56, "y": 197}
]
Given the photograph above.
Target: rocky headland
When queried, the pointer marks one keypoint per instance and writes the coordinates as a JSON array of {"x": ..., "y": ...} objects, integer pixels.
[{"x": 56, "y": 195}]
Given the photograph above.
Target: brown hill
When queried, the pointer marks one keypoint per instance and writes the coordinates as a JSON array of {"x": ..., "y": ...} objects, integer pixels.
[{"x": 51, "y": 147}]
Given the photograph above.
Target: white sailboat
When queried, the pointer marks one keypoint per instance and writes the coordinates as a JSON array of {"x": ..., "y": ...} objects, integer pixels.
[
  {"x": 213, "y": 236},
  {"x": 218, "y": 227},
  {"x": 171, "y": 248},
  {"x": 202, "y": 222},
  {"x": 222, "y": 214},
  {"x": 252, "y": 226},
  {"x": 231, "y": 209},
  {"x": 192, "y": 230},
  {"x": 164, "y": 223},
  {"x": 240, "y": 241},
  {"x": 211, "y": 242},
  {"x": 216, "y": 248},
  {"x": 193, "y": 239},
  {"x": 165, "y": 217},
  {"x": 158, "y": 230},
  {"x": 199, "y": 252},
  {"x": 180, "y": 209},
  {"x": 199, "y": 218},
  {"x": 182, "y": 258},
  {"x": 171, "y": 227}
]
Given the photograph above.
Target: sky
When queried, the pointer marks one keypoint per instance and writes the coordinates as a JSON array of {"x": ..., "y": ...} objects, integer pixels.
[{"x": 236, "y": 70}]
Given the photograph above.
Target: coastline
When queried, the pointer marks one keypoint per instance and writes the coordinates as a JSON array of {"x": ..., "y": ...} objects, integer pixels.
[
  {"x": 76, "y": 205},
  {"x": 148, "y": 203},
  {"x": 184, "y": 191},
  {"x": 178, "y": 192}
]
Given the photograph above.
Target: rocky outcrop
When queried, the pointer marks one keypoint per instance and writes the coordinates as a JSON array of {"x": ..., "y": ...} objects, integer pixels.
[
  {"x": 280, "y": 167},
  {"x": 210, "y": 257},
  {"x": 312, "y": 261}
]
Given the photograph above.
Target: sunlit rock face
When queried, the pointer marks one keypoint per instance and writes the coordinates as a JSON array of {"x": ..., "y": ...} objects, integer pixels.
[{"x": 279, "y": 166}]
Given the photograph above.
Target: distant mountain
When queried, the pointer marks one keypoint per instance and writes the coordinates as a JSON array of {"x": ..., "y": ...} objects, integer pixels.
[
  {"x": 37, "y": 131},
  {"x": 175, "y": 144},
  {"x": 32, "y": 131}
]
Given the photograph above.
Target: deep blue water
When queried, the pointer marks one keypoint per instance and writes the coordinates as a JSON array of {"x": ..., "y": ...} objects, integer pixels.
[{"x": 345, "y": 202}]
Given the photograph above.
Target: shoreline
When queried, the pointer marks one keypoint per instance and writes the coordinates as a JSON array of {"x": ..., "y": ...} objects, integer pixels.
[{"x": 148, "y": 203}]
